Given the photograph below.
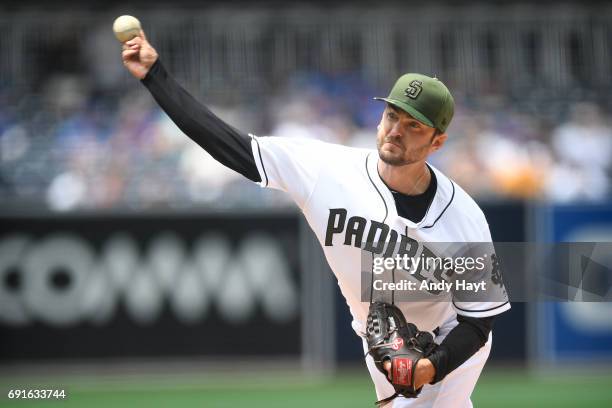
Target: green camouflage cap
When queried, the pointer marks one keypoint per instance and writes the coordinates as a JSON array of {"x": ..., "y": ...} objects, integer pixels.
[{"x": 426, "y": 99}]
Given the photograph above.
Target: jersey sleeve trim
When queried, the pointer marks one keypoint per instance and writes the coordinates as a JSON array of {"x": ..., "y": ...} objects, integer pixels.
[
  {"x": 492, "y": 311},
  {"x": 259, "y": 161}
]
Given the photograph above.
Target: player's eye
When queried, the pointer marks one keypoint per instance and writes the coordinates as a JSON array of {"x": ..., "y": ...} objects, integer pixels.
[{"x": 415, "y": 125}]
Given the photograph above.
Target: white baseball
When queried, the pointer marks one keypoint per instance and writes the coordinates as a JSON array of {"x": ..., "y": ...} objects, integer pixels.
[{"x": 126, "y": 28}]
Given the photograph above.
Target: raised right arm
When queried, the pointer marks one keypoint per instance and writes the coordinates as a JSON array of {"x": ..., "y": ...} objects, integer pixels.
[{"x": 226, "y": 144}]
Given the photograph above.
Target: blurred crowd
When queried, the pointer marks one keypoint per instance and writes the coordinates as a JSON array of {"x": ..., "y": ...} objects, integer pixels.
[{"x": 69, "y": 147}]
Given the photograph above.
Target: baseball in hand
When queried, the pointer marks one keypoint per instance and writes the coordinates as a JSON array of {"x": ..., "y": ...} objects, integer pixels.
[{"x": 126, "y": 28}]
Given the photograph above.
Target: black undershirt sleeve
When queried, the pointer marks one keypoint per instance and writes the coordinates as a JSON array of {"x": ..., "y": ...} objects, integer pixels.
[
  {"x": 227, "y": 145},
  {"x": 461, "y": 343}
]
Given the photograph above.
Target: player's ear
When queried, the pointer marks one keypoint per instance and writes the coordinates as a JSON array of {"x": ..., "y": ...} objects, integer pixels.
[{"x": 438, "y": 141}]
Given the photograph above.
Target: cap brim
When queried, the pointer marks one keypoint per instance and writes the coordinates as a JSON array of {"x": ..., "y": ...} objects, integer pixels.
[{"x": 407, "y": 108}]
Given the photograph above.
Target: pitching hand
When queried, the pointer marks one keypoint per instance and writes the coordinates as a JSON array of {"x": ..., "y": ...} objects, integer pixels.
[{"x": 138, "y": 55}]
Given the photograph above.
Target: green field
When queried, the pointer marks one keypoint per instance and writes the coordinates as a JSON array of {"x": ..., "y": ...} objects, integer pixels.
[{"x": 497, "y": 389}]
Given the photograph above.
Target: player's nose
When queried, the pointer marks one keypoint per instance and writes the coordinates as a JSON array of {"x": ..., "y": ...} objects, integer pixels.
[
  {"x": 396, "y": 129},
  {"x": 395, "y": 132}
]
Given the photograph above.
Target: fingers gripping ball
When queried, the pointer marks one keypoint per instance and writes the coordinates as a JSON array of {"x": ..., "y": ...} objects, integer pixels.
[
  {"x": 126, "y": 28},
  {"x": 392, "y": 339}
]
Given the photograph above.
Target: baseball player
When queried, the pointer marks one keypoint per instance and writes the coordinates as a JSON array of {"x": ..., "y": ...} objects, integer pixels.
[{"x": 352, "y": 198}]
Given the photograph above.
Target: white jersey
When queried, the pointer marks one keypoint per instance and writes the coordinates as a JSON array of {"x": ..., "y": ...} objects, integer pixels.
[{"x": 346, "y": 203}]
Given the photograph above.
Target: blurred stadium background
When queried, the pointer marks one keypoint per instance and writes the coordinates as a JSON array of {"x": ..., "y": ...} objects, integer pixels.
[{"x": 135, "y": 271}]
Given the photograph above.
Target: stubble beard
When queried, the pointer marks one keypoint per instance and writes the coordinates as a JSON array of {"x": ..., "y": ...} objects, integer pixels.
[
  {"x": 403, "y": 158},
  {"x": 400, "y": 159},
  {"x": 392, "y": 159}
]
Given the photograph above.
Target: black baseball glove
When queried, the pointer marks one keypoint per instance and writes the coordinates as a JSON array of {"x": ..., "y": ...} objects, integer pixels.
[{"x": 391, "y": 338}]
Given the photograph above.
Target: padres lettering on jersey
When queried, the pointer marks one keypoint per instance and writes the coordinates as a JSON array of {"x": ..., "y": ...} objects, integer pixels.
[
  {"x": 379, "y": 239},
  {"x": 350, "y": 209}
]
